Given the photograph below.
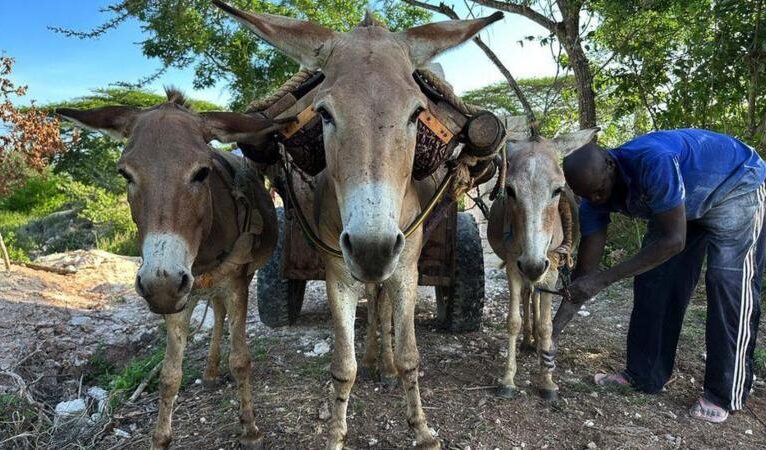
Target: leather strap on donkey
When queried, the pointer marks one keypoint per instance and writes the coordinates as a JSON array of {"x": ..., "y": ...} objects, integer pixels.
[
  {"x": 562, "y": 255},
  {"x": 242, "y": 178}
]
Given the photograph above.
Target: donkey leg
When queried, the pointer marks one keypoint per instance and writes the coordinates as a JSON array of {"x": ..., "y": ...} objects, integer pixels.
[
  {"x": 342, "y": 298},
  {"x": 240, "y": 364},
  {"x": 402, "y": 289},
  {"x": 170, "y": 376},
  {"x": 507, "y": 387},
  {"x": 544, "y": 326},
  {"x": 389, "y": 375},
  {"x": 369, "y": 367},
  {"x": 210, "y": 377},
  {"x": 527, "y": 342}
]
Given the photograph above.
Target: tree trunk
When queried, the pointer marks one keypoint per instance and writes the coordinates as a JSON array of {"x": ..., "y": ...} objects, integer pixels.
[
  {"x": 586, "y": 96},
  {"x": 4, "y": 251}
]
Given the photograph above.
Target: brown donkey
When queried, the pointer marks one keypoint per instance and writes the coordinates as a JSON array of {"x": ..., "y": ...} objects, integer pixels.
[
  {"x": 205, "y": 224},
  {"x": 525, "y": 230},
  {"x": 369, "y": 103}
]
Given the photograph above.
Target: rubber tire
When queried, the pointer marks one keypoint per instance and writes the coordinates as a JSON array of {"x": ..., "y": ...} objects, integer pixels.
[
  {"x": 279, "y": 300},
  {"x": 462, "y": 310}
]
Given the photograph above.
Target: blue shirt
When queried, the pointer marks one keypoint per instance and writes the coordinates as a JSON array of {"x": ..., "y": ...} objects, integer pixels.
[{"x": 664, "y": 169}]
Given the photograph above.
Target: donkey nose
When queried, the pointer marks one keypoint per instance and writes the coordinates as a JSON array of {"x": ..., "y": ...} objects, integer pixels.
[
  {"x": 164, "y": 283},
  {"x": 373, "y": 254},
  {"x": 533, "y": 269}
]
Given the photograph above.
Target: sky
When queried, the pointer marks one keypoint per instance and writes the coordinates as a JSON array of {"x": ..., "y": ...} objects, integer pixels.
[{"x": 56, "y": 68}]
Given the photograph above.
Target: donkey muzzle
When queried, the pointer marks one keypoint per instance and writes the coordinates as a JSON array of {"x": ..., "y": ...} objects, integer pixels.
[
  {"x": 164, "y": 279},
  {"x": 533, "y": 269}
]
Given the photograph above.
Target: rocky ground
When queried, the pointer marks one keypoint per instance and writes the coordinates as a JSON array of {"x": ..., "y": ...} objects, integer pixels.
[{"x": 51, "y": 326}]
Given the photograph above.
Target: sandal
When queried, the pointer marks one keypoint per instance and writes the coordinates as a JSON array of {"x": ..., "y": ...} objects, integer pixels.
[
  {"x": 611, "y": 379},
  {"x": 709, "y": 412}
]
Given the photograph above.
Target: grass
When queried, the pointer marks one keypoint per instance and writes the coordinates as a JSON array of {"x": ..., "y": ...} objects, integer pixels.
[
  {"x": 260, "y": 347},
  {"x": 760, "y": 362},
  {"x": 316, "y": 367},
  {"x": 122, "y": 382},
  {"x": 16, "y": 415}
]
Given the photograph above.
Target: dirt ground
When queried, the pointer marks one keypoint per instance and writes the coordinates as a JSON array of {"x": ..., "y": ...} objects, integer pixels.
[{"x": 292, "y": 388}]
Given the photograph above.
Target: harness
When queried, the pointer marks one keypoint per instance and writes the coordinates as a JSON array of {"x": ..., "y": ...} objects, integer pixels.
[
  {"x": 442, "y": 127},
  {"x": 241, "y": 180}
]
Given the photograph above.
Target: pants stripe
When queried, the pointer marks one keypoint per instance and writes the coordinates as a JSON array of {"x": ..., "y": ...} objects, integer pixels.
[{"x": 746, "y": 309}]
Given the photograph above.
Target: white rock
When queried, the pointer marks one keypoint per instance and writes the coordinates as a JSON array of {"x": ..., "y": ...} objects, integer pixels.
[
  {"x": 637, "y": 416},
  {"x": 372, "y": 442},
  {"x": 202, "y": 420},
  {"x": 324, "y": 412},
  {"x": 583, "y": 313},
  {"x": 592, "y": 444},
  {"x": 749, "y": 432},
  {"x": 70, "y": 408},
  {"x": 589, "y": 423},
  {"x": 320, "y": 348},
  {"x": 199, "y": 313},
  {"x": 121, "y": 433},
  {"x": 98, "y": 393}
]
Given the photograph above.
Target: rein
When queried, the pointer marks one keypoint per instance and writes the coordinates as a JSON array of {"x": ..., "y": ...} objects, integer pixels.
[{"x": 319, "y": 244}]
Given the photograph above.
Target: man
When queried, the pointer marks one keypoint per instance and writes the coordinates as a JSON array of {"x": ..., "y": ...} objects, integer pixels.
[{"x": 703, "y": 194}]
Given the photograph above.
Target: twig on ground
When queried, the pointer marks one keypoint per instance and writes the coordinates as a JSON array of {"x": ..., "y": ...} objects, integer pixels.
[
  {"x": 145, "y": 382},
  {"x": 40, "y": 267}
]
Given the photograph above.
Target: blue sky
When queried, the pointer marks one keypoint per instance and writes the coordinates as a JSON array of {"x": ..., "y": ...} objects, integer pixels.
[{"x": 56, "y": 68}]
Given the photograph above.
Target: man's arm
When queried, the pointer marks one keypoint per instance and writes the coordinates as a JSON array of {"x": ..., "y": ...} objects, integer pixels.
[
  {"x": 589, "y": 253},
  {"x": 670, "y": 239}
]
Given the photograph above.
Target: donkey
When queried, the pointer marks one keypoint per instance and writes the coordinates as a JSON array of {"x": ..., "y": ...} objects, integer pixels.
[
  {"x": 199, "y": 233},
  {"x": 525, "y": 230},
  {"x": 369, "y": 103}
]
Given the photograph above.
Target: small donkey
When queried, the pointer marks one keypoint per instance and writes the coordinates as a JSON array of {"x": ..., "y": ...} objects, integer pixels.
[
  {"x": 525, "y": 230},
  {"x": 205, "y": 223}
]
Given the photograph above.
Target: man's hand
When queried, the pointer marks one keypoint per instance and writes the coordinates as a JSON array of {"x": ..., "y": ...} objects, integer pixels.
[{"x": 586, "y": 287}]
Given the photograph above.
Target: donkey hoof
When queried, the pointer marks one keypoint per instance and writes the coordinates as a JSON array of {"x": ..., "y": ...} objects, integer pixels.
[
  {"x": 527, "y": 347},
  {"x": 507, "y": 392},
  {"x": 429, "y": 444},
  {"x": 252, "y": 444},
  {"x": 390, "y": 380},
  {"x": 549, "y": 395},
  {"x": 368, "y": 374}
]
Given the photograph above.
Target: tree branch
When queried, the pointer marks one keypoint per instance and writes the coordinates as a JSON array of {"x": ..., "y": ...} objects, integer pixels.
[
  {"x": 449, "y": 12},
  {"x": 521, "y": 10}
]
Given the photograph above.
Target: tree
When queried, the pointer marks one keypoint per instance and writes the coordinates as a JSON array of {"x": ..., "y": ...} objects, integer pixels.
[
  {"x": 561, "y": 18},
  {"x": 192, "y": 33},
  {"x": 30, "y": 139},
  {"x": 693, "y": 63}
]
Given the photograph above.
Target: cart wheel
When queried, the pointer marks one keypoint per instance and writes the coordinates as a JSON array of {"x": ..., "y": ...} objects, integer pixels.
[
  {"x": 279, "y": 300},
  {"x": 459, "y": 307}
]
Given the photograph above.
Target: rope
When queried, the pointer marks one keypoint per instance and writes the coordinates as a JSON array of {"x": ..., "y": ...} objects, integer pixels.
[
  {"x": 290, "y": 85},
  {"x": 564, "y": 251},
  {"x": 448, "y": 93}
]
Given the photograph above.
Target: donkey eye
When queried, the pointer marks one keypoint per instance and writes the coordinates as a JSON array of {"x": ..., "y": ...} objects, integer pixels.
[
  {"x": 201, "y": 175},
  {"x": 325, "y": 115},
  {"x": 414, "y": 117},
  {"x": 511, "y": 193},
  {"x": 557, "y": 192},
  {"x": 125, "y": 175}
]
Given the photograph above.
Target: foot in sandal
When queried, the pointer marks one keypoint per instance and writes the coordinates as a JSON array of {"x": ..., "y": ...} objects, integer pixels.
[
  {"x": 611, "y": 379},
  {"x": 708, "y": 411}
]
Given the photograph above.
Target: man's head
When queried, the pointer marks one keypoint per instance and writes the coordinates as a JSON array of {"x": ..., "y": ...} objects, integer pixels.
[{"x": 591, "y": 173}]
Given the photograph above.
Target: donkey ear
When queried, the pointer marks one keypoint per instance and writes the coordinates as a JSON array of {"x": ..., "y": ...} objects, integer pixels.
[
  {"x": 427, "y": 41},
  {"x": 114, "y": 121},
  {"x": 234, "y": 127},
  {"x": 306, "y": 42},
  {"x": 567, "y": 143}
]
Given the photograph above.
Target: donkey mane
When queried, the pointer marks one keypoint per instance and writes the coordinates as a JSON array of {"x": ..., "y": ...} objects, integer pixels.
[
  {"x": 370, "y": 20},
  {"x": 176, "y": 96}
]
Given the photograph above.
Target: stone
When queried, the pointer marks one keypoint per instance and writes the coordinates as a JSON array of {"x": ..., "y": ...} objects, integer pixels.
[
  {"x": 121, "y": 433},
  {"x": 70, "y": 408},
  {"x": 320, "y": 348},
  {"x": 78, "y": 321},
  {"x": 592, "y": 444},
  {"x": 324, "y": 412},
  {"x": 199, "y": 313}
]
